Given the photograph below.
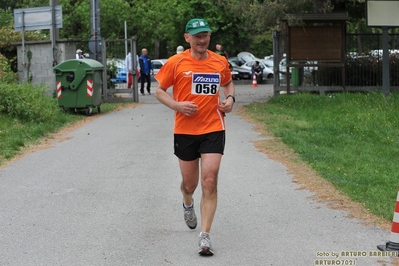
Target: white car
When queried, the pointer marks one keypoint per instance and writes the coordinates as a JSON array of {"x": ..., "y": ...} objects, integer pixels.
[
  {"x": 283, "y": 66},
  {"x": 309, "y": 69},
  {"x": 157, "y": 64},
  {"x": 267, "y": 72},
  {"x": 268, "y": 62},
  {"x": 246, "y": 57}
]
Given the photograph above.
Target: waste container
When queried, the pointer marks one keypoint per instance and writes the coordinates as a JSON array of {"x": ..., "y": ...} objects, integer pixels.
[
  {"x": 79, "y": 83},
  {"x": 295, "y": 76}
]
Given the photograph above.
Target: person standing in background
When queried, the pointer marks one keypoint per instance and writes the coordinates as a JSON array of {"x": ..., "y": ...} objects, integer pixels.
[
  {"x": 179, "y": 49},
  {"x": 146, "y": 70},
  {"x": 79, "y": 54},
  {"x": 219, "y": 50},
  {"x": 129, "y": 69}
]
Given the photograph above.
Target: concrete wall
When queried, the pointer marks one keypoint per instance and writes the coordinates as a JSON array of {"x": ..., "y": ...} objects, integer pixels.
[{"x": 41, "y": 68}]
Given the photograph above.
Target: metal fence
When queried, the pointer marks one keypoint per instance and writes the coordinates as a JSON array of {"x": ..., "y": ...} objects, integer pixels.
[{"x": 361, "y": 71}]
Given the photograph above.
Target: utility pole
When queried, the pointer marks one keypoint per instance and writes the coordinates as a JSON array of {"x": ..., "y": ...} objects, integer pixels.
[
  {"x": 54, "y": 32},
  {"x": 95, "y": 27}
]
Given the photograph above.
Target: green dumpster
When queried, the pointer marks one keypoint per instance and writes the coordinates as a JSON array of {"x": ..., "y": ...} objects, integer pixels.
[
  {"x": 295, "y": 76},
  {"x": 79, "y": 83}
]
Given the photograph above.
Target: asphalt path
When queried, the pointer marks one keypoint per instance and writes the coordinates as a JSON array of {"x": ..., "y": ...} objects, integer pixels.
[{"x": 108, "y": 193}]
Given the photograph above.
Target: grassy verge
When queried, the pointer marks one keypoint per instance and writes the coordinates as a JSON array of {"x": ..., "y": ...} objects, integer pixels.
[
  {"x": 351, "y": 140},
  {"x": 27, "y": 116}
]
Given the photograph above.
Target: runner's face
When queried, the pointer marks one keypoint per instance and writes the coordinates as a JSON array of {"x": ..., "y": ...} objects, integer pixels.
[{"x": 199, "y": 42}]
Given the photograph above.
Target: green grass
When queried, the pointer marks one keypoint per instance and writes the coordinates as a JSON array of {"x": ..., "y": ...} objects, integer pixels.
[
  {"x": 350, "y": 139},
  {"x": 27, "y": 116}
]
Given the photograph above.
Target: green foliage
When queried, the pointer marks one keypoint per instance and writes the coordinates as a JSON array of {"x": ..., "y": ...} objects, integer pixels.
[
  {"x": 159, "y": 24},
  {"x": 7, "y": 33},
  {"x": 8, "y": 36},
  {"x": 6, "y": 17},
  {"x": 26, "y": 114},
  {"x": 112, "y": 70},
  {"x": 348, "y": 138},
  {"x": 27, "y": 103},
  {"x": 6, "y": 74}
]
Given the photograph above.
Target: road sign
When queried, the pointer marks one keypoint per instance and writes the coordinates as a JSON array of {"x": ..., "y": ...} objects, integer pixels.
[
  {"x": 95, "y": 44},
  {"x": 37, "y": 18}
]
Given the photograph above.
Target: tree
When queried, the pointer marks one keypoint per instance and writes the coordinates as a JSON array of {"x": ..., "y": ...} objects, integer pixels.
[{"x": 159, "y": 24}]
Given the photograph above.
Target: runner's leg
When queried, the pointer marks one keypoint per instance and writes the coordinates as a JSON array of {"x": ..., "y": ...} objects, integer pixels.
[{"x": 210, "y": 163}]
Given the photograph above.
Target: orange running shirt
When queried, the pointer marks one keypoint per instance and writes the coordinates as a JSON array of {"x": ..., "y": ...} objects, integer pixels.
[{"x": 197, "y": 81}]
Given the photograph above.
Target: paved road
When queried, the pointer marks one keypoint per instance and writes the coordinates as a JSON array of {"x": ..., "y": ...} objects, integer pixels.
[{"x": 108, "y": 194}]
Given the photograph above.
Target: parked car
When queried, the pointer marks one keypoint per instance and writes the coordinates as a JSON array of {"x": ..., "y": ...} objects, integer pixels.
[
  {"x": 268, "y": 62},
  {"x": 234, "y": 75},
  {"x": 120, "y": 72},
  {"x": 267, "y": 72},
  {"x": 236, "y": 60},
  {"x": 239, "y": 72},
  {"x": 245, "y": 57},
  {"x": 283, "y": 66},
  {"x": 157, "y": 64},
  {"x": 309, "y": 69},
  {"x": 120, "y": 76}
]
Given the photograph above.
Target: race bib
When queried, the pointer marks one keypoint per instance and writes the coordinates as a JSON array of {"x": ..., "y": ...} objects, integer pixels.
[{"x": 205, "y": 84}]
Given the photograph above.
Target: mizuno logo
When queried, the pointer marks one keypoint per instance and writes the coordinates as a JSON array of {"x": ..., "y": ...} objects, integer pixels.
[{"x": 206, "y": 79}]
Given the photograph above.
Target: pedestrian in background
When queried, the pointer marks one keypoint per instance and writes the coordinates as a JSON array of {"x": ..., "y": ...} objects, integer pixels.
[
  {"x": 221, "y": 51},
  {"x": 79, "y": 54},
  {"x": 146, "y": 70},
  {"x": 196, "y": 75},
  {"x": 179, "y": 49},
  {"x": 129, "y": 69}
]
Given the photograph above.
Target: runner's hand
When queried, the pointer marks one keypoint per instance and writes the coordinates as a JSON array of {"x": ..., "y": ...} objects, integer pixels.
[
  {"x": 226, "y": 106},
  {"x": 187, "y": 108}
]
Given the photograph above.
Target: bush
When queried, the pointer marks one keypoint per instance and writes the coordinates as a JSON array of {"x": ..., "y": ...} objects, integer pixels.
[
  {"x": 361, "y": 71},
  {"x": 27, "y": 102},
  {"x": 6, "y": 74}
]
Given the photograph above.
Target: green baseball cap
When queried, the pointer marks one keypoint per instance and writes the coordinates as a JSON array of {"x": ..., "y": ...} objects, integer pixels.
[{"x": 197, "y": 25}]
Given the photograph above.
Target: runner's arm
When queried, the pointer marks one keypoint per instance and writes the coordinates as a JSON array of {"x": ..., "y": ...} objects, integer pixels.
[
  {"x": 186, "y": 108},
  {"x": 226, "y": 106}
]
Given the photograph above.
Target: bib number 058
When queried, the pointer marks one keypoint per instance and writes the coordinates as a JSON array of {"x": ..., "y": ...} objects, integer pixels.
[{"x": 206, "y": 88}]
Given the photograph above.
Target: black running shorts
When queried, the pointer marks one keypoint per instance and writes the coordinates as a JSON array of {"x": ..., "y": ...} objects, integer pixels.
[{"x": 190, "y": 147}]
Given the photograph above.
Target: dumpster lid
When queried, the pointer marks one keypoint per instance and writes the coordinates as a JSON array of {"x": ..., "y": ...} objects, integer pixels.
[{"x": 73, "y": 63}]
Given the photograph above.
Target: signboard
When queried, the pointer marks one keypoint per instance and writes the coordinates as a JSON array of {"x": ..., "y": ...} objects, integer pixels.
[
  {"x": 37, "y": 18},
  {"x": 315, "y": 43},
  {"x": 382, "y": 13}
]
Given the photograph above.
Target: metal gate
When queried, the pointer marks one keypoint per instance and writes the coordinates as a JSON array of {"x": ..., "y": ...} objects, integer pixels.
[
  {"x": 115, "y": 74},
  {"x": 280, "y": 79}
]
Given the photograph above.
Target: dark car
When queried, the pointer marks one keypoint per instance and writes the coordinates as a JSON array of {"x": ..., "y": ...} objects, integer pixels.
[
  {"x": 240, "y": 72},
  {"x": 236, "y": 60}
]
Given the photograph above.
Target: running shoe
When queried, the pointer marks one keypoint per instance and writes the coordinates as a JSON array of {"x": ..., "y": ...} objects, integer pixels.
[
  {"x": 190, "y": 217},
  {"x": 204, "y": 245}
]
